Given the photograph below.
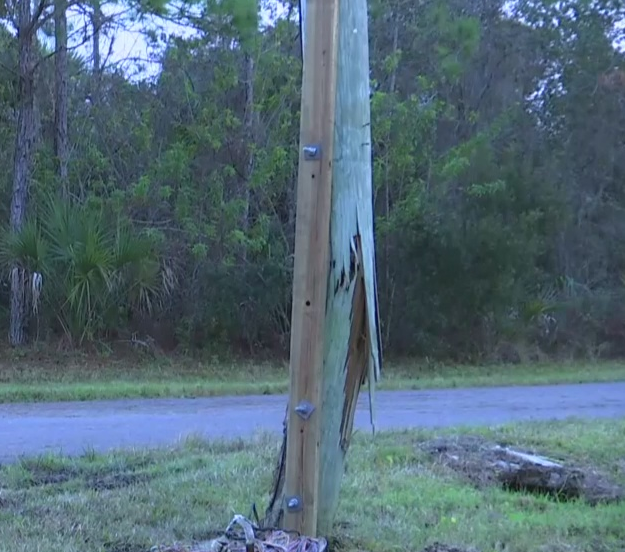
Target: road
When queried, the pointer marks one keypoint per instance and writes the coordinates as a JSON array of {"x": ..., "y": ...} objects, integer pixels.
[{"x": 73, "y": 427}]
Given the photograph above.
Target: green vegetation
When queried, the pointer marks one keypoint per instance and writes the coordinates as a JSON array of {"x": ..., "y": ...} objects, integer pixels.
[
  {"x": 81, "y": 377},
  {"x": 498, "y": 198},
  {"x": 394, "y": 496},
  {"x": 97, "y": 265},
  {"x": 159, "y": 211}
]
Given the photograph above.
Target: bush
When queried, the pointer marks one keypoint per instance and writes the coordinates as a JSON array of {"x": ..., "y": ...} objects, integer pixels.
[{"x": 87, "y": 269}]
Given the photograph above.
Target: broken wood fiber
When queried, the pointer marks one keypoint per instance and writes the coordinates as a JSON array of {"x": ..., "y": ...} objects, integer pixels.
[{"x": 352, "y": 349}]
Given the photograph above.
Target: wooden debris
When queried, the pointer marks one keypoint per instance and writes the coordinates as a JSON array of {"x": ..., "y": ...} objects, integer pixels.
[{"x": 249, "y": 538}]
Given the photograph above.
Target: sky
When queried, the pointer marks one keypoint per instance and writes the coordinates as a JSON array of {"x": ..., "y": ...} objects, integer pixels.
[{"x": 126, "y": 42}]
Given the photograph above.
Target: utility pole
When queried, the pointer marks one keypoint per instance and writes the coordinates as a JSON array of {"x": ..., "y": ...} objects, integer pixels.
[
  {"x": 335, "y": 339},
  {"x": 310, "y": 273}
]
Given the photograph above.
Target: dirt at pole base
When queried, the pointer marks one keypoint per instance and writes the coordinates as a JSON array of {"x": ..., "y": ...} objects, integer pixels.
[{"x": 484, "y": 463}]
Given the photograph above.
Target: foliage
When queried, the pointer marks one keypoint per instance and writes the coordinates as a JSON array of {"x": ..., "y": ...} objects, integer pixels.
[
  {"x": 183, "y": 494},
  {"x": 498, "y": 159},
  {"x": 88, "y": 271}
]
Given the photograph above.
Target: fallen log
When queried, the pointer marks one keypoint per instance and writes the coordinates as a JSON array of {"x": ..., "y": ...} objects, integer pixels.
[{"x": 520, "y": 471}]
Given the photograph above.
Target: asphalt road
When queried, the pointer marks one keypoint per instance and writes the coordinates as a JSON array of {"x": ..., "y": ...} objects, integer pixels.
[{"x": 74, "y": 427}]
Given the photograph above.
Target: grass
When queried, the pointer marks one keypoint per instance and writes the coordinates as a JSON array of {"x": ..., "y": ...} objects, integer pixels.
[
  {"x": 394, "y": 498},
  {"x": 84, "y": 377}
]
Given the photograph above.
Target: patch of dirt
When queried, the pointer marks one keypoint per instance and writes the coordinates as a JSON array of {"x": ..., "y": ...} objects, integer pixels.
[
  {"x": 109, "y": 482},
  {"x": 341, "y": 541},
  {"x": 220, "y": 447},
  {"x": 124, "y": 546},
  {"x": 439, "y": 547},
  {"x": 40, "y": 474},
  {"x": 487, "y": 463},
  {"x": 7, "y": 502}
]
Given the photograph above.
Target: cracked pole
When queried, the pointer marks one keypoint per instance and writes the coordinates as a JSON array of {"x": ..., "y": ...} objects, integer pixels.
[{"x": 335, "y": 339}]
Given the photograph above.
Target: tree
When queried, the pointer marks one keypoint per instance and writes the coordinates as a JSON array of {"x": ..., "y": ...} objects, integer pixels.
[
  {"x": 26, "y": 23},
  {"x": 61, "y": 145},
  {"x": 496, "y": 154}
]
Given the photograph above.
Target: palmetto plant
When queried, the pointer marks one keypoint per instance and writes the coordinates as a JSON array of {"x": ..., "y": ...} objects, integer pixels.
[{"x": 87, "y": 267}]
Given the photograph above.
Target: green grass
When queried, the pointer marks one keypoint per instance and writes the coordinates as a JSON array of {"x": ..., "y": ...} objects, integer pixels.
[
  {"x": 394, "y": 497},
  {"x": 83, "y": 377}
]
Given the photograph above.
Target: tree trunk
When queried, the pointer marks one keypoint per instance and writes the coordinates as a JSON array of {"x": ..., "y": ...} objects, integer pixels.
[
  {"x": 248, "y": 125},
  {"x": 61, "y": 146},
  {"x": 23, "y": 162},
  {"x": 96, "y": 23},
  {"x": 388, "y": 280},
  {"x": 352, "y": 341}
]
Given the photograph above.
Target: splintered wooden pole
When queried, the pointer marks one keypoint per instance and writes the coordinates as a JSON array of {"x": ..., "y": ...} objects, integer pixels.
[
  {"x": 352, "y": 339},
  {"x": 335, "y": 340},
  {"x": 310, "y": 275}
]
